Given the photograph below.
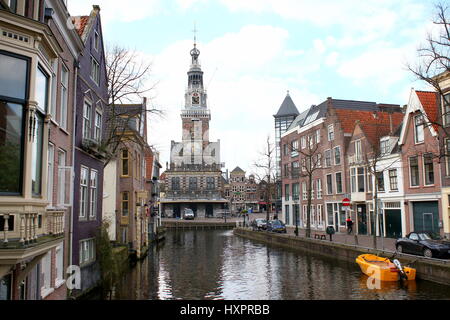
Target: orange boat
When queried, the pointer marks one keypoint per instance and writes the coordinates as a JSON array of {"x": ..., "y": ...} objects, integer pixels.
[{"x": 383, "y": 269}]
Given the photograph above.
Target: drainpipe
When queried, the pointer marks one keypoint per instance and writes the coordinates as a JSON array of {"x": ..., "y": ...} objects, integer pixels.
[{"x": 75, "y": 82}]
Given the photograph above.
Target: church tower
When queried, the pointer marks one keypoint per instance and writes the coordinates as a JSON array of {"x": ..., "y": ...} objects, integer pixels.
[{"x": 194, "y": 178}]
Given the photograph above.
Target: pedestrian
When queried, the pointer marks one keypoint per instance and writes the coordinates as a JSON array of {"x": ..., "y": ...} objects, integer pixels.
[{"x": 349, "y": 225}]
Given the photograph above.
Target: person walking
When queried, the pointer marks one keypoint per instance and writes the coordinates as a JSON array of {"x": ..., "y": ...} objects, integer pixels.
[{"x": 349, "y": 225}]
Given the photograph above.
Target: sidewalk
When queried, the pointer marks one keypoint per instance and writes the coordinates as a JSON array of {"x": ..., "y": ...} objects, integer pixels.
[{"x": 363, "y": 240}]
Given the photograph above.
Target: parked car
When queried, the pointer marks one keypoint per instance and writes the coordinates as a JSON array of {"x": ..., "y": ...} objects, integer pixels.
[
  {"x": 423, "y": 244},
  {"x": 188, "y": 214},
  {"x": 259, "y": 224},
  {"x": 276, "y": 226}
]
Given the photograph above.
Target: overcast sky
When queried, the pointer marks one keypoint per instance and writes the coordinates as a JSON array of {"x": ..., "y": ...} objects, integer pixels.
[{"x": 253, "y": 51}]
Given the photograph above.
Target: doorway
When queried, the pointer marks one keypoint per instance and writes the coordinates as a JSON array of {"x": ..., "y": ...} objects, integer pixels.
[
  {"x": 209, "y": 210},
  {"x": 362, "y": 218},
  {"x": 393, "y": 223}
]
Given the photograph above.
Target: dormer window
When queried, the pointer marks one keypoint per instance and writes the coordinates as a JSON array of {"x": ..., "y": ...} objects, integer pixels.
[
  {"x": 96, "y": 40},
  {"x": 384, "y": 146}
]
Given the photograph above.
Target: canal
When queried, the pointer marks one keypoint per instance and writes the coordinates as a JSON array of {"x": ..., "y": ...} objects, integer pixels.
[{"x": 213, "y": 264}]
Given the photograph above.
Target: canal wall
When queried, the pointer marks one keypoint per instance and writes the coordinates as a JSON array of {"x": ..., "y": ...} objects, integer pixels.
[
  {"x": 192, "y": 224},
  {"x": 428, "y": 269}
]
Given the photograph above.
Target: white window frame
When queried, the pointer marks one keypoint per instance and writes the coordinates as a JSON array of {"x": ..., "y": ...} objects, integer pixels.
[
  {"x": 63, "y": 108},
  {"x": 87, "y": 251},
  {"x": 93, "y": 194},
  {"x": 319, "y": 188},
  {"x": 416, "y": 137},
  {"x": 424, "y": 171},
  {"x": 334, "y": 155},
  {"x": 84, "y": 192},
  {"x": 61, "y": 194},
  {"x": 330, "y": 158},
  {"x": 87, "y": 118},
  {"x": 95, "y": 70},
  {"x": 98, "y": 125},
  {"x": 330, "y": 132},
  {"x": 326, "y": 179},
  {"x": 342, "y": 182},
  {"x": 50, "y": 173}
]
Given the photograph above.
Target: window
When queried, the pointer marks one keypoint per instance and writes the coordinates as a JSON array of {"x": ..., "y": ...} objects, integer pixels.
[
  {"x": 93, "y": 194},
  {"x": 50, "y": 169},
  {"x": 42, "y": 87},
  {"x": 414, "y": 171},
  {"x": 84, "y": 192},
  {"x": 286, "y": 170},
  {"x": 328, "y": 158},
  {"x": 210, "y": 183},
  {"x": 418, "y": 129},
  {"x": 446, "y": 113},
  {"x": 428, "y": 168},
  {"x": 192, "y": 183},
  {"x": 285, "y": 149},
  {"x": 12, "y": 5},
  {"x": 87, "y": 251},
  {"x": 95, "y": 71},
  {"x": 380, "y": 177},
  {"x": 294, "y": 148},
  {"x": 61, "y": 178},
  {"x": 318, "y": 160},
  {"x": 317, "y": 135},
  {"x": 353, "y": 179},
  {"x": 54, "y": 88},
  {"x": 46, "y": 273},
  {"x": 384, "y": 146},
  {"x": 98, "y": 126},
  {"x": 87, "y": 111},
  {"x": 96, "y": 40},
  {"x": 330, "y": 132},
  {"x": 295, "y": 191},
  {"x": 320, "y": 214},
  {"x": 319, "y": 188},
  {"x": 304, "y": 191},
  {"x": 338, "y": 182},
  {"x": 286, "y": 213},
  {"x": 64, "y": 96},
  {"x": 176, "y": 183},
  {"x": 447, "y": 156},
  {"x": 393, "y": 184},
  {"x": 125, "y": 162},
  {"x": 295, "y": 169},
  {"x": 358, "y": 153},
  {"x": 329, "y": 184},
  {"x": 59, "y": 265},
  {"x": 286, "y": 192},
  {"x": 337, "y": 155},
  {"x": 36, "y": 155},
  {"x": 125, "y": 203},
  {"x": 360, "y": 173}
]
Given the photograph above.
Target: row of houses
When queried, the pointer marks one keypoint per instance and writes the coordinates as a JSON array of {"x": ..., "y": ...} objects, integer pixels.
[
  {"x": 391, "y": 162},
  {"x": 58, "y": 182}
]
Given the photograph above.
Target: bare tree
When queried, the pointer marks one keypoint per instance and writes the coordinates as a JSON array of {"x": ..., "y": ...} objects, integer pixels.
[
  {"x": 128, "y": 82},
  {"x": 433, "y": 67},
  {"x": 266, "y": 175},
  {"x": 375, "y": 152},
  {"x": 311, "y": 161}
]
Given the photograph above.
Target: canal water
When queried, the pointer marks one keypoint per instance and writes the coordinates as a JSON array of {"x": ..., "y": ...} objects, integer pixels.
[{"x": 213, "y": 264}]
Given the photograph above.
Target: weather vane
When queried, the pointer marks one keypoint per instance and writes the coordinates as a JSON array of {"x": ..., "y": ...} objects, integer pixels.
[{"x": 195, "y": 33}]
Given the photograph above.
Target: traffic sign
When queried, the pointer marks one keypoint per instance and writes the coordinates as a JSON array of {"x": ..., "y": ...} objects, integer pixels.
[{"x": 346, "y": 202}]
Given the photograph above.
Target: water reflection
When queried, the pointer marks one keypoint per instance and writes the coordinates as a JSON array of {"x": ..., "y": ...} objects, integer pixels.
[{"x": 218, "y": 265}]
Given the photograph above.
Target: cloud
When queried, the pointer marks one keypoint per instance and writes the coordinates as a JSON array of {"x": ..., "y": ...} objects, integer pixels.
[{"x": 116, "y": 10}]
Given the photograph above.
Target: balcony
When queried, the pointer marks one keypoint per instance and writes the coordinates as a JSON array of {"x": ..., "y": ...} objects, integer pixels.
[
  {"x": 355, "y": 159},
  {"x": 93, "y": 147},
  {"x": 28, "y": 229}
]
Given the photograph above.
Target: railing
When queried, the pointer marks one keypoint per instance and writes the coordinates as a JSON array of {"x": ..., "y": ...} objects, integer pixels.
[
  {"x": 27, "y": 227},
  {"x": 193, "y": 195}
]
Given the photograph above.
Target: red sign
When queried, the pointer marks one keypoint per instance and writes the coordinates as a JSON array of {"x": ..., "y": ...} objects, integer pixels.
[{"x": 346, "y": 202}]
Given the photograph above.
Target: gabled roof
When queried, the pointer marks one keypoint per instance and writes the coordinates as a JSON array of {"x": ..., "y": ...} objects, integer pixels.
[
  {"x": 83, "y": 24},
  {"x": 377, "y": 127},
  {"x": 287, "y": 108},
  {"x": 429, "y": 101},
  {"x": 425, "y": 102},
  {"x": 237, "y": 170}
]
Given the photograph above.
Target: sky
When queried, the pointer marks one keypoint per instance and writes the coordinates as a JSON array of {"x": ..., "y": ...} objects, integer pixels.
[{"x": 254, "y": 51}]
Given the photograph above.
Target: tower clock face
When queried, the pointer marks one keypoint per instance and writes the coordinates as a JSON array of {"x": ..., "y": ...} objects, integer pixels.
[{"x": 195, "y": 98}]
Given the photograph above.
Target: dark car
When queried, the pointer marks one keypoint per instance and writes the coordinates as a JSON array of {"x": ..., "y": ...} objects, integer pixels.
[
  {"x": 423, "y": 244},
  {"x": 259, "y": 224},
  {"x": 276, "y": 226}
]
